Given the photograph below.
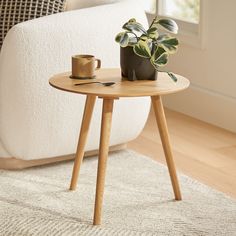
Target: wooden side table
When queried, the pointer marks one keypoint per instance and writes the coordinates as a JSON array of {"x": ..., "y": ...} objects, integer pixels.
[{"x": 155, "y": 89}]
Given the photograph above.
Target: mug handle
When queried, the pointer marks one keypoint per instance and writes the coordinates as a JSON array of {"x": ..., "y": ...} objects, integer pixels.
[{"x": 98, "y": 63}]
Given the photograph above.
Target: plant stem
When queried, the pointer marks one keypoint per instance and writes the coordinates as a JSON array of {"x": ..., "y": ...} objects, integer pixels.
[
  {"x": 163, "y": 71},
  {"x": 153, "y": 22},
  {"x": 171, "y": 75}
]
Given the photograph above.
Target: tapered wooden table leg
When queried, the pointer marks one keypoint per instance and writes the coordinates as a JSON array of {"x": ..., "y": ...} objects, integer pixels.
[
  {"x": 88, "y": 111},
  {"x": 161, "y": 123},
  {"x": 103, "y": 154}
]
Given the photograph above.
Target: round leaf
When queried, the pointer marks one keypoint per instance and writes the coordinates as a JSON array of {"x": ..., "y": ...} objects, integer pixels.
[
  {"x": 132, "y": 41},
  {"x": 162, "y": 60},
  {"x": 160, "y": 57},
  {"x": 132, "y": 20},
  {"x": 152, "y": 33},
  {"x": 123, "y": 39},
  {"x": 169, "y": 44},
  {"x": 134, "y": 26},
  {"x": 142, "y": 49},
  {"x": 169, "y": 25}
]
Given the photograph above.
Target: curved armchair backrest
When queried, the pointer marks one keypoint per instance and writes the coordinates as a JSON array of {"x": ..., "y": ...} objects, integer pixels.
[{"x": 36, "y": 120}]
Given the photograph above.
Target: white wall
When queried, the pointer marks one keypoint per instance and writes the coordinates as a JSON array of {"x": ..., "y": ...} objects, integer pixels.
[{"x": 211, "y": 69}]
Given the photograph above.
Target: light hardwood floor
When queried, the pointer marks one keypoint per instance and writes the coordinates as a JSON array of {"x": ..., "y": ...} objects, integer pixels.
[{"x": 201, "y": 151}]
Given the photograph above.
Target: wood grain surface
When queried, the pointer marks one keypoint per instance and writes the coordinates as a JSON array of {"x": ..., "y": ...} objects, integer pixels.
[{"x": 122, "y": 88}]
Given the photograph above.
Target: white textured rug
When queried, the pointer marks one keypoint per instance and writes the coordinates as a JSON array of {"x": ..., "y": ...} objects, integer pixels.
[{"x": 138, "y": 201}]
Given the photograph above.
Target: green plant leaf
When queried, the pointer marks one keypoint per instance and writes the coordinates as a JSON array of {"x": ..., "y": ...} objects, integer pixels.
[
  {"x": 160, "y": 57},
  {"x": 169, "y": 44},
  {"x": 152, "y": 33},
  {"x": 158, "y": 52},
  {"x": 142, "y": 49},
  {"x": 134, "y": 26},
  {"x": 163, "y": 37},
  {"x": 162, "y": 60},
  {"x": 123, "y": 39},
  {"x": 132, "y": 41},
  {"x": 143, "y": 37},
  {"x": 132, "y": 20},
  {"x": 172, "y": 76},
  {"x": 168, "y": 24}
]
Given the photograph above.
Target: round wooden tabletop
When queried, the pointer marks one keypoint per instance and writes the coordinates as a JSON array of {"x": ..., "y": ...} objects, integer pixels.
[{"x": 122, "y": 88}]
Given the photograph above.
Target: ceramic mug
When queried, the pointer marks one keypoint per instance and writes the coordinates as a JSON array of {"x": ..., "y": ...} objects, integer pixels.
[{"x": 84, "y": 66}]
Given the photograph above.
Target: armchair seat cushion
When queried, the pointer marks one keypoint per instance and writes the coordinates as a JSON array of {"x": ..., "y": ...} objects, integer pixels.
[{"x": 13, "y": 12}]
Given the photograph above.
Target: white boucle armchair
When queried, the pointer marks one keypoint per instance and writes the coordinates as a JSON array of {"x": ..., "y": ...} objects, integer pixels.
[{"x": 38, "y": 122}]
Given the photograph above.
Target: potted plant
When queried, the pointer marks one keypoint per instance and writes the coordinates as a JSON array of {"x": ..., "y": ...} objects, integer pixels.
[{"x": 143, "y": 52}]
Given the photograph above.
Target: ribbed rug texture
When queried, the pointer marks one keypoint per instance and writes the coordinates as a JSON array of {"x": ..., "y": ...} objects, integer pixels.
[{"x": 138, "y": 200}]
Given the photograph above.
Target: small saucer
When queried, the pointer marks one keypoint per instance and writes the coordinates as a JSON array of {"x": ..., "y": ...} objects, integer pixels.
[{"x": 77, "y": 77}]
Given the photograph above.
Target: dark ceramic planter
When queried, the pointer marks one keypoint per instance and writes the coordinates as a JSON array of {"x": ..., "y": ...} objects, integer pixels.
[{"x": 134, "y": 67}]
